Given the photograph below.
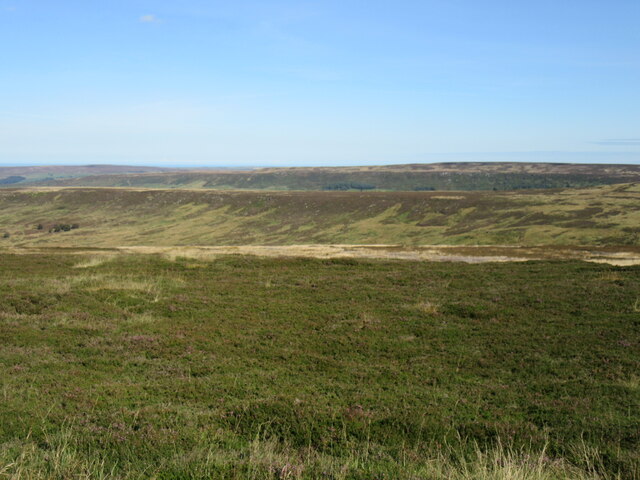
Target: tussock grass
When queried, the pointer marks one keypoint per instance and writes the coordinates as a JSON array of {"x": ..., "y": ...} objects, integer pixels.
[
  {"x": 124, "y": 282},
  {"x": 89, "y": 281},
  {"x": 142, "y": 318},
  {"x": 59, "y": 457},
  {"x": 632, "y": 383},
  {"x": 428, "y": 307},
  {"x": 94, "y": 261},
  {"x": 174, "y": 254}
]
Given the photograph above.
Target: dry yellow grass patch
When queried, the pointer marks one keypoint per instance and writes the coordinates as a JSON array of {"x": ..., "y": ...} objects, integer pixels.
[
  {"x": 428, "y": 307},
  {"x": 632, "y": 383},
  {"x": 367, "y": 321},
  {"x": 141, "y": 318},
  {"x": 89, "y": 281},
  {"x": 190, "y": 254},
  {"x": 150, "y": 286},
  {"x": 407, "y": 338},
  {"x": 94, "y": 261},
  {"x": 435, "y": 253},
  {"x": 611, "y": 276}
]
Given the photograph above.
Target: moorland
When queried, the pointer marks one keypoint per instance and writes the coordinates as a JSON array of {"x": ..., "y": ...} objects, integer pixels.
[
  {"x": 607, "y": 215},
  {"x": 199, "y": 333},
  {"x": 141, "y": 366},
  {"x": 410, "y": 177},
  {"x": 34, "y": 174}
]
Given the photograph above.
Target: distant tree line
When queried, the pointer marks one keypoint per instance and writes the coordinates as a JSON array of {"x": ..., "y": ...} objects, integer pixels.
[{"x": 349, "y": 186}]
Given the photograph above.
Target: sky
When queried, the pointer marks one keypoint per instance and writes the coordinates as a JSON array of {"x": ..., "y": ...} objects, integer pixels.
[{"x": 332, "y": 82}]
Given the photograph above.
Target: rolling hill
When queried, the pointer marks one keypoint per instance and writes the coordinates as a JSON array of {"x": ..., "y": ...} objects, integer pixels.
[
  {"x": 413, "y": 177},
  {"x": 607, "y": 215},
  {"x": 43, "y": 173}
]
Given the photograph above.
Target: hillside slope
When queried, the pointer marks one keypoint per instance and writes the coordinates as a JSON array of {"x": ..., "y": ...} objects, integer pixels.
[
  {"x": 116, "y": 217},
  {"x": 47, "y": 173},
  {"x": 425, "y": 177}
]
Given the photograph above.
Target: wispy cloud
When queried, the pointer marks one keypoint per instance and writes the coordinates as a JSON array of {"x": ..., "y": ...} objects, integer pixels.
[
  {"x": 623, "y": 142},
  {"x": 150, "y": 18}
]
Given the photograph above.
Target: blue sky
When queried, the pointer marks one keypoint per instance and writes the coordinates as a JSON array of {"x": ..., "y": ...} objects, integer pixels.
[{"x": 197, "y": 82}]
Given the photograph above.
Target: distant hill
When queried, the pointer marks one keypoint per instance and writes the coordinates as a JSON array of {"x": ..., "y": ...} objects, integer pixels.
[
  {"x": 412, "y": 177},
  {"x": 107, "y": 217},
  {"x": 30, "y": 174},
  {"x": 12, "y": 179}
]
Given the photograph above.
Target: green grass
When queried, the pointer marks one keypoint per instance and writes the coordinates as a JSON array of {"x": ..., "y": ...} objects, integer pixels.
[
  {"x": 116, "y": 217},
  {"x": 142, "y": 367}
]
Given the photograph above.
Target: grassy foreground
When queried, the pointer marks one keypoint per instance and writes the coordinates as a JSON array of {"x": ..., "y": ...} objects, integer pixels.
[{"x": 142, "y": 367}]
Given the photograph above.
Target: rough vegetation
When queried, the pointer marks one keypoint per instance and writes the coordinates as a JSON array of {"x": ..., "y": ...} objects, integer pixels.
[
  {"x": 114, "y": 217},
  {"x": 132, "y": 366},
  {"x": 137, "y": 347},
  {"x": 30, "y": 174},
  {"x": 10, "y": 180},
  {"x": 417, "y": 177}
]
